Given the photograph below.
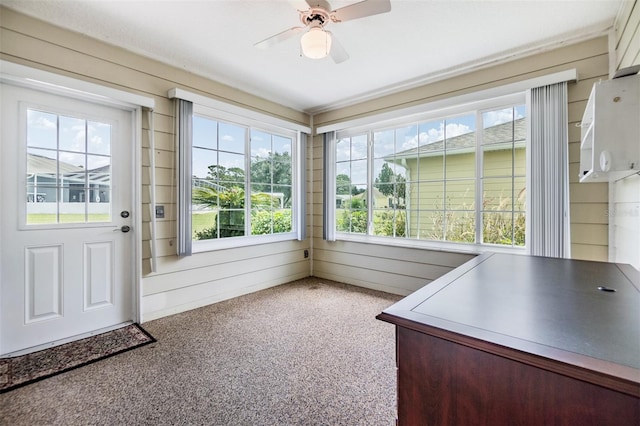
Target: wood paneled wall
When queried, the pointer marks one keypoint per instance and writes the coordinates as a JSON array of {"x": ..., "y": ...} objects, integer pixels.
[
  {"x": 624, "y": 212},
  {"x": 181, "y": 284},
  {"x": 178, "y": 284},
  {"x": 627, "y": 36},
  {"x": 403, "y": 270}
]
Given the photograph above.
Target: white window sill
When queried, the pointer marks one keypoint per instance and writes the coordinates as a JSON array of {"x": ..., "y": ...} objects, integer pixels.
[
  {"x": 430, "y": 245},
  {"x": 201, "y": 246}
]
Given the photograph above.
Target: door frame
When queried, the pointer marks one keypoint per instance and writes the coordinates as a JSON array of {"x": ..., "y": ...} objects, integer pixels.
[{"x": 32, "y": 78}]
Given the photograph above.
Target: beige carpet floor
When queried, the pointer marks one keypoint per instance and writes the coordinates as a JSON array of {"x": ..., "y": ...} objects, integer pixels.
[{"x": 305, "y": 353}]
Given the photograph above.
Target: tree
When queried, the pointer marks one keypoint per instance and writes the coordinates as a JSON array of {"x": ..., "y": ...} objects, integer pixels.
[
  {"x": 343, "y": 184},
  {"x": 272, "y": 173},
  {"x": 229, "y": 178},
  {"x": 384, "y": 179},
  {"x": 389, "y": 184},
  {"x": 401, "y": 186},
  {"x": 232, "y": 198},
  {"x": 230, "y": 216}
]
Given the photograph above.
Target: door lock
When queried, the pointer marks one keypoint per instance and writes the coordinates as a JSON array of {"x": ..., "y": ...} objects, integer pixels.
[{"x": 123, "y": 228}]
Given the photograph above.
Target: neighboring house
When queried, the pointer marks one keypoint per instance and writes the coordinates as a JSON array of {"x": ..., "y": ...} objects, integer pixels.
[
  {"x": 503, "y": 148},
  {"x": 44, "y": 187},
  {"x": 380, "y": 201},
  {"x": 41, "y": 178}
]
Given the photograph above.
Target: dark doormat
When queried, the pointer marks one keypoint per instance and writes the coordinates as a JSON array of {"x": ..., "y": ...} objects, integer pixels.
[{"x": 24, "y": 369}]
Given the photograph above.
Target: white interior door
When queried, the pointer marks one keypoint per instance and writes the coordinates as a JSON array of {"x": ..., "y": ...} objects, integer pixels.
[{"x": 67, "y": 241}]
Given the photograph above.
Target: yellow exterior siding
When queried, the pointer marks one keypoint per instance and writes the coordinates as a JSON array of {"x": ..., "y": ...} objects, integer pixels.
[
  {"x": 425, "y": 196},
  {"x": 591, "y": 60}
]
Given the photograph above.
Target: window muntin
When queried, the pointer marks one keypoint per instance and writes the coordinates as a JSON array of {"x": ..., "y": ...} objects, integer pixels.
[
  {"x": 351, "y": 184},
  {"x": 68, "y": 169},
  {"x": 504, "y": 176},
  {"x": 271, "y": 183},
  {"x": 242, "y": 183},
  {"x": 438, "y": 179}
]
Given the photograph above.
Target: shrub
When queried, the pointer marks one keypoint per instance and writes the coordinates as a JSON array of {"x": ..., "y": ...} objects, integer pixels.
[
  {"x": 206, "y": 234},
  {"x": 384, "y": 222},
  {"x": 262, "y": 222},
  {"x": 352, "y": 221},
  {"x": 497, "y": 226}
]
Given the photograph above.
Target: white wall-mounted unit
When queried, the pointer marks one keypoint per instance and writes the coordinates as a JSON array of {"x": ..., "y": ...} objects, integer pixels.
[{"x": 610, "y": 144}]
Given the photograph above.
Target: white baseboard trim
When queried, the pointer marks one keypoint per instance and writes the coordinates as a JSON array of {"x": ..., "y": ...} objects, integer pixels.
[
  {"x": 365, "y": 284},
  {"x": 160, "y": 299}
]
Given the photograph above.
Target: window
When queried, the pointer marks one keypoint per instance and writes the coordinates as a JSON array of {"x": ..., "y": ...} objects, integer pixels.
[
  {"x": 458, "y": 177},
  {"x": 68, "y": 169},
  {"x": 243, "y": 180}
]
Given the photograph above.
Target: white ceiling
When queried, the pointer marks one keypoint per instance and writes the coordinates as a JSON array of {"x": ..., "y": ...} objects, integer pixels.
[{"x": 419, "y": 40}]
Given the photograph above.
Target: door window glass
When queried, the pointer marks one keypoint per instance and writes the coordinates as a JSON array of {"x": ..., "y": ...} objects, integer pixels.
[{"x": 68, "y": 169}]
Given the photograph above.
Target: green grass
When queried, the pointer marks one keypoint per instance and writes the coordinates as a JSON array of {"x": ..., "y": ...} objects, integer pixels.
[
  {"x": 202, "y": 221},
  {"x": 45, "y": 218}
]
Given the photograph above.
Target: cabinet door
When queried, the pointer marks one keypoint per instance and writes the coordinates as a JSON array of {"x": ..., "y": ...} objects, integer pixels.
[{"x": 444, "y": 383}]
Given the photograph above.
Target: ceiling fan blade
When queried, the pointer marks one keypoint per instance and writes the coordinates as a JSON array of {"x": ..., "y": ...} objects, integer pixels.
[
  {"x": 284, "y": 35},
  {"x": 299, "y": 4},
  {"x": 323, "y": 4},
  {"x": 338, "y": 54},
  {"x": 360, "y": 10}
]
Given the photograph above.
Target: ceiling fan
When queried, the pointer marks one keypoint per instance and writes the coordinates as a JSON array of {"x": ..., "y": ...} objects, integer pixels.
[{"x": 316, "y": 42}]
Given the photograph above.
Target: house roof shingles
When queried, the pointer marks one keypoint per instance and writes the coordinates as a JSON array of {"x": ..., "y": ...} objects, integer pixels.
[{"x": 505, "y": 132}]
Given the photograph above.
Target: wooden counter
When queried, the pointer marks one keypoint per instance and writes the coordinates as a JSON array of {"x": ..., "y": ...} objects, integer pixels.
[{"x": 510, "y": 339}]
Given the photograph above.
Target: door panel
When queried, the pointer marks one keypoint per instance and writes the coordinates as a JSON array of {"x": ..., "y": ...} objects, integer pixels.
[
  {"x": 67, "y": 267},
  {"x": 43, "y": 283},
  {"x": 98, "y": 279}
]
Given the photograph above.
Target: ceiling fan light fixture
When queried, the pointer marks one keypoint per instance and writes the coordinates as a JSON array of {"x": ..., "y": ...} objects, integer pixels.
[{"x": 316, "y": 43}]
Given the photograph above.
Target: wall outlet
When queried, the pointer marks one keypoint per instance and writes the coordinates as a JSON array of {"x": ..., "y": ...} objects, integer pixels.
[
  {"x": 159, "y": 212},
  {"x": 306, "y": 254}
]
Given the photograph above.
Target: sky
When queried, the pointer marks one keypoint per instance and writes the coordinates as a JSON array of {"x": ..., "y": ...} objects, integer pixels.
[
  {"x": 75, "y": 138},
  {"x": 229, "y": 139},
  {"x": 392, "y": 141}
]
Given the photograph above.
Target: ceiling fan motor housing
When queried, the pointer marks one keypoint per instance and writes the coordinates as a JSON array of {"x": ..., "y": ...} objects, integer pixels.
[
  {"x": 316, "y": 42},
  {"x": 314, "y": 16}
]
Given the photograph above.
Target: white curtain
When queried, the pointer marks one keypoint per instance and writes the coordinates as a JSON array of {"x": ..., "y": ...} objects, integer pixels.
[
  {"x": 184, "y": 132},
  {"x": 302, "y": 187},
  {"x": 549, "y": 230},
  {"x": 329, "y": 187},
  {"x": 152, "y": 190}
]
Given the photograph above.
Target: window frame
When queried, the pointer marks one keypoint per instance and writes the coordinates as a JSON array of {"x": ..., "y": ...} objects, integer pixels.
[
  {"x": 249, "y": 124},
  {"x": 477, "y": 107},
  {"x": 87, "y": 116}
]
